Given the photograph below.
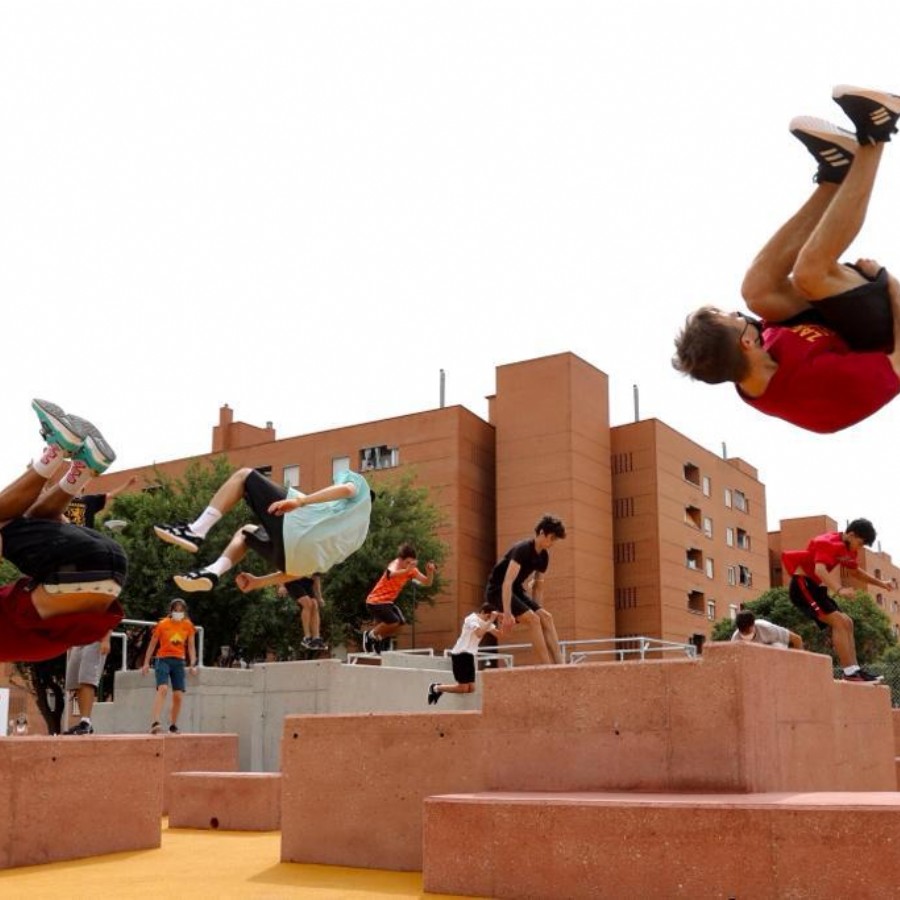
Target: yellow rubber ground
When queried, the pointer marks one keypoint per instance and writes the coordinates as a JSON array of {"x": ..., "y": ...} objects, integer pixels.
[{"x": 205, "y": 864}]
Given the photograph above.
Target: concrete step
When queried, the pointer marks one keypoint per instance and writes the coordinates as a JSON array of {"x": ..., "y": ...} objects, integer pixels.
[
  {"x": 582, "y": 845},
  {"x": 196, "y": 752},
  {"x": 232, "y": 801}
]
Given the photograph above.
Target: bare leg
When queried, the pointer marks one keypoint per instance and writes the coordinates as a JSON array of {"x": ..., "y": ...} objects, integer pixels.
[
  {"x": 158, "y": 702},
  {"x": 87, "y": 693},
  {"x": 315, "y": 619},
  {"x": 536, "y": 635},
  {"x": 16, "y": 498},
  {"x": 384, "y": 630},
  {"x": 818, "y": 272},
  {"x": 306, "y": 604},
  {"x": 176, "y": 707},
  {"x": 550, "y": 637},
  {"x": 842, "y": 637},
  {"x": 227, "y": 496},
  {"x": 454, "y": 688},
  {"x": 51, "y": 504},
  {"x": 767, "y": 287},
  {"x": 236, "y": 549}
]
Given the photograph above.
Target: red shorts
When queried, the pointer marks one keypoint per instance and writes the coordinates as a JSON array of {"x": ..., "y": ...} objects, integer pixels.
[{"x": 26, "y": 637}]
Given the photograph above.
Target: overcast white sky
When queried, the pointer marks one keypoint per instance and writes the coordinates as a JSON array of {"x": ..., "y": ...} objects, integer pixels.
[{"x": 306, "y": 210}]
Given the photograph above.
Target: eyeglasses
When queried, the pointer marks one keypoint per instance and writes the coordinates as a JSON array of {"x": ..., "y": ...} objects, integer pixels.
[{"x": 748, "y": 321}]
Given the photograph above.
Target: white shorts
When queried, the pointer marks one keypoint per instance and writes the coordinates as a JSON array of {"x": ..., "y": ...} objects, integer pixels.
[{"x": 84, "y": 665}]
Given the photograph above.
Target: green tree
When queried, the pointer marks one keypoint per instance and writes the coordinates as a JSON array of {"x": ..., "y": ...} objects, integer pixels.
[{"x": 401, "y": 513}]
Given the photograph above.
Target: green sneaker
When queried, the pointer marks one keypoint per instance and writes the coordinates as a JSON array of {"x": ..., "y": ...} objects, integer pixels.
[
  {"x": 56, "y": 427},
  {"x": 94, "y": 451}
]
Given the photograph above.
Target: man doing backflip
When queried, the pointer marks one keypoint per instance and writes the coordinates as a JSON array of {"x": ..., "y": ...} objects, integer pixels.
[
  {"x": 816, "y": 580},
  {"x": 71, "y": 576},
  {"x": 827, "y": 355}
]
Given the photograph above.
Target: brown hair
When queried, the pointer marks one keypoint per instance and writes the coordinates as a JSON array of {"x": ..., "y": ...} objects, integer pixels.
[
  {"x": 406, "y": 551},
  {"x": 708, "y": 350}
]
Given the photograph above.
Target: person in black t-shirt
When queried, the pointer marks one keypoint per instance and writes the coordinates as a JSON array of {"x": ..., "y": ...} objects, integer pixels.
[
  {"x": 522, "y": 568},
  {"x": 82, "y": 510}
]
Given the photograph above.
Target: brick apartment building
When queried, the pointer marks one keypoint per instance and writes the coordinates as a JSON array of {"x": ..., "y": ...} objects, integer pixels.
[{"x": 663, "y": 535}]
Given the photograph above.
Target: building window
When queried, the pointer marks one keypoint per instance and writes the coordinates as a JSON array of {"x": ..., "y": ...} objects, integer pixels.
[
  {"x": 732, "y": 575},
  {"x": 710, "y": 569},
  {"x": 264, "y": 470},
  {"x": 711, "y": 610},
  {"x": 692, "y": 516},
  {"x": 729, "y": 536},
  {"x": 745, "y": 579},
  {"x": 623, "y": 508},
  {"x": 696, "y": 602},
  {"x": 382, "y": 457},
  {"x": 732, "y": 611},
  {"x": 694, "y": 558},
  {"x": 624, "y": 552},
  {"x": 290, "y": 477},
  {"x": 707, "y": 526},
  {"x": 728, "y": 497},
  {"x": 622, "y": 462},
  {"x": 692, "y": 474},
  {"x": 707, "y": 486},
  {"x": 626, "y": 598},
  {"x": 741, "y": 502},
  {"x": 743, "y": 539},
  {"x": 339, "y": 464}
]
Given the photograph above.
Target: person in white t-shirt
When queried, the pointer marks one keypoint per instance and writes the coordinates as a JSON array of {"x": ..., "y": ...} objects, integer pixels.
[
  {"x": 761, "y": 631},
  {"x": 475, "y": 626}
]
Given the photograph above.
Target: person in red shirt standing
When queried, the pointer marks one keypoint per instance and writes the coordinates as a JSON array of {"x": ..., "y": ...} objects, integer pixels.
[
  {"x": 174, "y": 635},
  {"x": 827, "y": 355},
  {"x": 816, "y": 580},
  {"x": 381, "y": 602}
]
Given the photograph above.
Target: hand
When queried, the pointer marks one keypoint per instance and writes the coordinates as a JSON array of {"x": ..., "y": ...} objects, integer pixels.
[
  {"x": 105, "y": 646},
  {"x": 193, "y": 668},
  {"x": 868, "y": 267},
  {"x": 430, "y": 568},
  {"x": 506, "y": 621},
  {"x": 280, "y": 507},
  {"x": 145, "y": 669},
  {"x": 245, "y": 582},
  {"x": 888, "y": 585}
]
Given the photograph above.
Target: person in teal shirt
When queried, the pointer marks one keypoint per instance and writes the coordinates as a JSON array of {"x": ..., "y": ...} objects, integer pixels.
[{"x": 299, "y": 534}]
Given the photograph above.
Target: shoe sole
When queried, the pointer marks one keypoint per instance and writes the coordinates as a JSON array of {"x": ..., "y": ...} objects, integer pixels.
[
  {"x": 817, "y": 135},
  {"x": 176, "y": 541},
  {"x": 94, "y": 442},
  {"x": 192, "y": 585},
  {"x": 57, "y": 425}
]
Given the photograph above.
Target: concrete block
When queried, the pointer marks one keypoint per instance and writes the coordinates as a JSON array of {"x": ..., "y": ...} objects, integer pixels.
[
  {"x": 195, "y": 752},
  {"x": 232, "y": 801},
  {"x": 68, "y": 797},
  {"x": 659, "y": 845},
  {"x": 353, "y": 786},
  {"x": 895, "y": 715}
]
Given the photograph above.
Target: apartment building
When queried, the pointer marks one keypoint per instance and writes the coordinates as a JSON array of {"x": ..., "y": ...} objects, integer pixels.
[{"x": 663, "y": 535}]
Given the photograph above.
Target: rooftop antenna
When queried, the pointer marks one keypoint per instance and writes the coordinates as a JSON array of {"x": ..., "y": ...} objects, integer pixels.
[
  {"x": 443, "y": 391},
  {"x": 637, "y": 403},
  {"x": 724, "y": 451}
]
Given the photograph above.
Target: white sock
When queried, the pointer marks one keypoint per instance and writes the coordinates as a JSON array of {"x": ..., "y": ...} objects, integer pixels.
[
  {"x": 77, "y": 476},
  {"x": 48, "y": 462},
  {"x": 86, "y": 719},
  {"x": 219, "y": 567},
  {"x": 206, "y": 520},
  {"x": 849, "y": 670}
]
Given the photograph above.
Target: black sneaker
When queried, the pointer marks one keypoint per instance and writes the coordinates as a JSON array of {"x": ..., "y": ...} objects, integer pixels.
[
  {"x": 368, "y": 642},
  {"x": 179, "y": 535},
  {"x": 833, "y": 148},
  {"x": 874, "y": 113},
  {"x": 82, "y": 727},
  {"x": 196, "y": 581},
  {"x": 433, "y": 694},
  {"x": 861, "y": 676},
  {"x": 155, "y": 728},
  {"x": 174, "y": 729},
  {"x": 317, "y": 643},
  {"x": 308, "y": 644}
]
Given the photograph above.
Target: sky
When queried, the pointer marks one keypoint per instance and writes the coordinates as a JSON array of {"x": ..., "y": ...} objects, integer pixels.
[{"x": 307, "y": 210}]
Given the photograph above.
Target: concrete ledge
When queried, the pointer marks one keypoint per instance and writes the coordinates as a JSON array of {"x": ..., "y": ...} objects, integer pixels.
[
  {"x": 233, "y": 801},
  {"x": 895, "y": 713},
  {"x": 72, "y": 797},
  {"x": 196, "y": 753},
  {"x": 663, "y": 845}
]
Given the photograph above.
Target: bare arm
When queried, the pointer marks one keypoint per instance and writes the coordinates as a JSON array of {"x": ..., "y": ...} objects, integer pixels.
[
  {"x": 247, "y": 582},
  {"x": 332, "y": 492},
  {"x": 122, "y": 487},
  {"x": 537, "y": 587},
  {"x": 832, "y": 580},
  {"x": 507, "y": 620},
  {"x": 426, "y": 580},
  {"x": 871, "y": 579},
  {"x": 192, "y": 651},
  {"x": 149, "y": 655},
  {"x": 794, "y": 640}
]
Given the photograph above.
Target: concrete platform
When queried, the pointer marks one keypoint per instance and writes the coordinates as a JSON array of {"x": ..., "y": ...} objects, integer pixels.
[
  {"x": 772, "y": 845},
  {"x": 233, "y": 801},
  {"x": 70, "y": 797},
  {"x": 195, "y": 753}
]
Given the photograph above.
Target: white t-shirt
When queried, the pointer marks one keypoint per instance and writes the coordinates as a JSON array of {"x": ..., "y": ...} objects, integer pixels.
[
  {"x": 766, "y": 633},
  {"x": 469, "y": 639}
]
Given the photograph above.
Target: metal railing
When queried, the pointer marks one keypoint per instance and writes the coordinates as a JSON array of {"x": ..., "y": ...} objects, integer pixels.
[
  {"x": 622, "y": 648},
  {"x": 124, "y": 638}
]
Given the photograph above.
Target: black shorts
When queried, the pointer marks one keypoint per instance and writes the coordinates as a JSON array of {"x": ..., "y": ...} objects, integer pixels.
[
  {"x": 521, "y": 603},
  {"x": 300, "y": 587},
  {"x": 463, "y": 667},
  {"x": 43, "y": 549},
  {"x": 811, "y": 599},
  {"x": 861, "y": 316},
  {"x": 268, "y": 541},
  {"x": 388, "y": 613}
]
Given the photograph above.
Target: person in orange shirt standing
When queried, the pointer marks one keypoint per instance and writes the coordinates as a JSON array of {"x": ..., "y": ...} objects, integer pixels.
[
  {"x": 381, "y": 602},
  {"x": 173, "y": 634}
]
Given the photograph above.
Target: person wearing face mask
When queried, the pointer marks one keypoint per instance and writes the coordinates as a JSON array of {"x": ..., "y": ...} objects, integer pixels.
[
  {"x": 826, "y": 353},
  {"x": 760, "y": 631},
  {"x": 174, "y": 635}
]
